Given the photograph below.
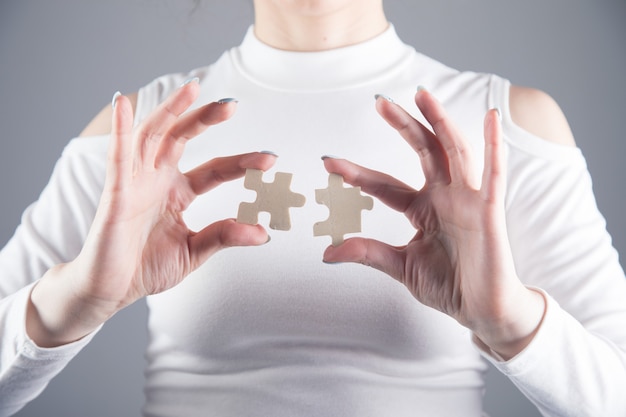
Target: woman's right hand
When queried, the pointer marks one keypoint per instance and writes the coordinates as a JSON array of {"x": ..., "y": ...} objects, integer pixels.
[{"x": 138, "y": 243}]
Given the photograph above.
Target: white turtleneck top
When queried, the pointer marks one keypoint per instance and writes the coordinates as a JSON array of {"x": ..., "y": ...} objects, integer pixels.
[{"x": 272, "y": 330}]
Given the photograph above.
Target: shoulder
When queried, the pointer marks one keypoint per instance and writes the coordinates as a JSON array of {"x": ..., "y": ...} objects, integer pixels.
[
  {"x": 101, "y": 123},
  {"x": 538, "y": 113},
  {"x": 144, "y": 100}
]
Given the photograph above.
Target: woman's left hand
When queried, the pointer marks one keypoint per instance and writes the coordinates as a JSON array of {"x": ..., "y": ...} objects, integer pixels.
[{"x": 459, "y": 261}]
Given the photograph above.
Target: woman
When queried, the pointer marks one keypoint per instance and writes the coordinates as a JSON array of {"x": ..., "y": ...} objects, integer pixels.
[{"x": 284, "y": 333}]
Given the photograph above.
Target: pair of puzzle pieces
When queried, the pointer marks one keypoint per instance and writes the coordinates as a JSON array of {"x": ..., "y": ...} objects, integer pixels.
[{"x": 276, "y": 198}]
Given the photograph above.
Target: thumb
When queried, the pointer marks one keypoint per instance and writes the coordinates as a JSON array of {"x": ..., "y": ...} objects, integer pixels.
[
  {"x": 370, "y": 252},
  {"x": 223, "y": 234}
]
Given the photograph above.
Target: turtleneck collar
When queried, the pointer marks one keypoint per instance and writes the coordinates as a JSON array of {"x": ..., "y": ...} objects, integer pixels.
[{"x": 335, "y": 69}]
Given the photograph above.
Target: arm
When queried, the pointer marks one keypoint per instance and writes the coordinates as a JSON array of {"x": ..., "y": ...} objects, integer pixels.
[
  {"x": 52, "y": 231},
  {"x": 461, "y": 263},
  {"x": 137, "y": 243},
  {"x": 561, "y": 245}
]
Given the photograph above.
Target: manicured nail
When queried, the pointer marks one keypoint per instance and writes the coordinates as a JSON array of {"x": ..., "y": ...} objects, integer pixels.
[
  {"x": 389, "y": 99},
  {"x": 190, "y": 80},
  {"x": 497, "y": 109},
  {"x": 269, "y": 153},
  {"x": 421, "y": 88},
  {"x": 332, "y": 263},
  {"x": 330, "y": 157},
  {"x": 115, "y": 97},
  {"x": 269, "y": 239},
  {"x": 227, "y": 100}
]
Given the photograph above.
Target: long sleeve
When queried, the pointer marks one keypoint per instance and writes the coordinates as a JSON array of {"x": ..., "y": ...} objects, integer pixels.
[
  {"x": 26, "y": 367},
  {"x": 567, "y": 370},
  {"x": 52, "y": 231},
  {"x": 576, "y": 364}
]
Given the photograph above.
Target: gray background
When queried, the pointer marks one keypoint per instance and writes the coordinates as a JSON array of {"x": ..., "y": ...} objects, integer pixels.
[{"x": 61, "y": 61}]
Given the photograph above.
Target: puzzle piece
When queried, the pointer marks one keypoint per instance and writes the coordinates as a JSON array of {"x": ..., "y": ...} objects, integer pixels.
[
  {"x": 274, "y": 198},
  {"x": 344, "y": 206}
]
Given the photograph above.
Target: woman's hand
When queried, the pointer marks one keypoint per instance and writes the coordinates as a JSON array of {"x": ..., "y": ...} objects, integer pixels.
[
  {"x": 459, "y": 261},
  {"x": 138, "y": 243}
]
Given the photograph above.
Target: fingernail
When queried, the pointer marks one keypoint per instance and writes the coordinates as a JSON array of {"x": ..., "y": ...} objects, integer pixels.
[
  {"x": 330, "y": 157},
  {"x": 190, "y": 80},
  {"x": 497, "y": 109},
  {"x": 227, "y": 100},
  {"x": 332, "y": 263},
  {"x": 115, "y": 97},
  {"x": 421, "y": 88},
  {"x": 269, "y": 153},
  {"x": 389, "y": 99},
  {"x": 269, "y": 239}
]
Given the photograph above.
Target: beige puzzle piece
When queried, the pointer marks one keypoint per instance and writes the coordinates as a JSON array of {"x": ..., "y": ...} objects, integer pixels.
[
  {"x": 274, "y": 198},
  {"x": 344, "y": 206}
]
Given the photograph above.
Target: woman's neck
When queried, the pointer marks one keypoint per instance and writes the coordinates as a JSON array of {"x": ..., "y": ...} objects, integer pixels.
[{"x": 317, "y": 25}]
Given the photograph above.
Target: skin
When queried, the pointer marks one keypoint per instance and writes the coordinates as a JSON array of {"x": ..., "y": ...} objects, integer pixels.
[
  {"x": 139, "y": 244},
  {"x": 458, "y": 262},
  {"x": 317, "y": 25}
]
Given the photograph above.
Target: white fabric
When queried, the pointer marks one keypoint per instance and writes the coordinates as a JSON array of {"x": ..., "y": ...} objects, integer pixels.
[{"x": 272, "y": 330}]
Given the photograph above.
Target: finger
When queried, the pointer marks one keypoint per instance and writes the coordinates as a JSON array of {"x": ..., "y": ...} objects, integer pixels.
[
  {"x": 219, "y": 170},
  {"x": 223, "y": 234},
  {"x": 454, "y": 145},
  {"x": 387, "y": 189},
  {"x": 154, "y": 128},
  {"x": 421, "y": 139},
  {"x": 494, "y": 172},
  {"x": 119, "y": 160},
  {"x": 378, "y": 255},
  {"x": 189, "y": 126}
]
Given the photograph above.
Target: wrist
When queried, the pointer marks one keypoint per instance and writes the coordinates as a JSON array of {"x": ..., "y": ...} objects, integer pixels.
[
  {"x": 516, "y": 327},
  {"x": 56, "y": 315}
]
